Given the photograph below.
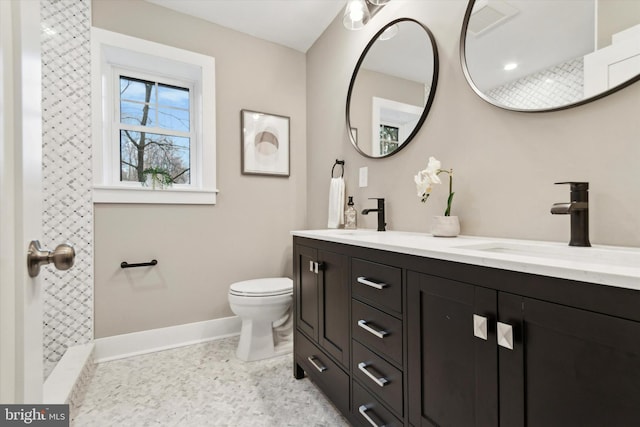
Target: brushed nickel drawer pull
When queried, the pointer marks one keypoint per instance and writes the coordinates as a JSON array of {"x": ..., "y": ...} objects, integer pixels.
[
  {"x": 320, "y": 368},
  {"x": 363, "y": 411},
  {"x": 376, "y": 285},
  {"x": 380, "y": 334},
  {"x": 380, "y": 381}
]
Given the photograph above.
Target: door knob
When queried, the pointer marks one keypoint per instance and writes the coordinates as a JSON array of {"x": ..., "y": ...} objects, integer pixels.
[{"x": 62, "y": 257}]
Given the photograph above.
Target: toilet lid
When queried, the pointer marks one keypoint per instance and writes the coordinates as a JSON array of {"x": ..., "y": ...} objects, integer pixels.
[{"x": 262, "y": 287}]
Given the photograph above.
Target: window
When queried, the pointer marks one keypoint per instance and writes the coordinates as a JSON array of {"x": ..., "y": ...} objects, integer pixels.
[
  {"x": 154, "y": 129},
  {"x": 149, "y": 105},
  {"x": 388, "y": 139}
]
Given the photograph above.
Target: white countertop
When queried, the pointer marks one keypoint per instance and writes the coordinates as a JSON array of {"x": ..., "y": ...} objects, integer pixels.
[{"x": 606, "y": 265}]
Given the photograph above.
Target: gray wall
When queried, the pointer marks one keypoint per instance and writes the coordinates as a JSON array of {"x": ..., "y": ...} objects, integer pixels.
[
  {"x": 203, "y": 249},
  {"x": 505, "y": 163}
]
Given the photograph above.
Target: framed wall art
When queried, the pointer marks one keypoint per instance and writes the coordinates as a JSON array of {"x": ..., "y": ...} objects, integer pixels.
[{"x": 265, "y": 144}]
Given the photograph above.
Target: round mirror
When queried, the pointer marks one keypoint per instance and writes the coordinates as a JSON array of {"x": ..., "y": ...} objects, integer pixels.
[
  {"x": 525, "y": 55},
  {"x": 392, "y": 88}
]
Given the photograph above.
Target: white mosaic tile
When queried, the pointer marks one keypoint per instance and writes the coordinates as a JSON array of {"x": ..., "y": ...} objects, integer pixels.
[
  {"x": 559, "y": 85},
  {"x": 68, "y": 209},
  {"x": 203, "y": 385}
]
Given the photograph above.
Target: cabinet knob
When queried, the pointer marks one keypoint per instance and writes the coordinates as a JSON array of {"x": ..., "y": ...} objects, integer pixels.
[
  {"x": 480, "y": 327},
  {"x": 505, "y": 335}
]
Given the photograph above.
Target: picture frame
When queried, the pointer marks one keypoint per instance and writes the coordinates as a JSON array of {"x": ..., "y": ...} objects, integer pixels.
[{"x": 265, "y": 146}]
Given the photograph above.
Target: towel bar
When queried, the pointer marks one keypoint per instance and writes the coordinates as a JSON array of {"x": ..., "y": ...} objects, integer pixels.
[{"x": 125, "y": 264}]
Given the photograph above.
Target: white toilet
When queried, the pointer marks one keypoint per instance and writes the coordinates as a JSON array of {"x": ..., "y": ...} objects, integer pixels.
[{"x": 265, "y": 308}]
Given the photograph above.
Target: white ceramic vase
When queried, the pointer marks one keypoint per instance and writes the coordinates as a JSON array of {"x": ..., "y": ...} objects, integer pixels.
[{"x": 445, "y": 226}]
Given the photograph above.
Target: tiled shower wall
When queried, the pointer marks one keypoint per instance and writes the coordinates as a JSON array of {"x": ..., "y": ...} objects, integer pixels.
[
  {"x": 66, "y": 162},
  {"x": 558, "y": 85}
]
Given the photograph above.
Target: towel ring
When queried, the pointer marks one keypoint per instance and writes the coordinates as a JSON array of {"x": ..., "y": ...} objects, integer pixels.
[{"x": 338, "y": 162}]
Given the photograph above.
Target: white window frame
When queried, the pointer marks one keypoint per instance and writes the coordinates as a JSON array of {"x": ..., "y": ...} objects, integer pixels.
[{"x": 112, "y": 53}]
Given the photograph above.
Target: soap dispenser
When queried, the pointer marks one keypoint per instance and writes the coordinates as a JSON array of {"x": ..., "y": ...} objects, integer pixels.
[{"x": 350, "y": 215}]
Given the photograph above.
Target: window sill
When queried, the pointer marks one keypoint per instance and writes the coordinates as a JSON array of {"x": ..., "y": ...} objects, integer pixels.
[{"x": 173, "y": 196}]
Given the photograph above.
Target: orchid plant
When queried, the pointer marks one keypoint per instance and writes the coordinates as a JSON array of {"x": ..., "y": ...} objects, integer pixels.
[{"x": 429, "y": 176}]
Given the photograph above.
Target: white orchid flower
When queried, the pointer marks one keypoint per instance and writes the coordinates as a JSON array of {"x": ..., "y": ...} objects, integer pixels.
[
  {"x": 423, "y": 183},
  {"x": 426, "y": 178},
  {"x": 433, "y": 167}
]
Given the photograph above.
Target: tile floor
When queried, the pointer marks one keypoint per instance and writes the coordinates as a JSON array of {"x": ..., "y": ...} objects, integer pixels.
[{"x": 202, "y": 385}]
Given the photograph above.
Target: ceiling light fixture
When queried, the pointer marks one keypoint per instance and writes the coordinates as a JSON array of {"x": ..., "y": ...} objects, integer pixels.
[
  {"x": 358, "y": 12},
  {"x": 510, "y": 66}
]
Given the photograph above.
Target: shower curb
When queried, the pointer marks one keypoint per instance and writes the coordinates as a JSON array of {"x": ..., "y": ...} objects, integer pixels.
[{"x": 67, "y": 383}]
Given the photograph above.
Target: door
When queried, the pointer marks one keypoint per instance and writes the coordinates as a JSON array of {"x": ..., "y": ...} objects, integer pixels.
[
  {"x": 21, "y": 367},
  {"x": 306, "y": 290},
  {"x": 452, "y": 365},
  {"x": 575, "y": 367},
  {"x": 334, "y": 305}
]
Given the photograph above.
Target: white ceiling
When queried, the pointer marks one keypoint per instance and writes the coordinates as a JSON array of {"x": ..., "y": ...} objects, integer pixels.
[
  {"x": 542, "y": 34},
  {"x": 293, "y": 23}
]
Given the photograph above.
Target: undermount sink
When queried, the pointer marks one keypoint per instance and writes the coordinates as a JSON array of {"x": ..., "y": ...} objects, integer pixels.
[
  {"x": 621, "y": 257},
  {"x": 357, "y": 232}
]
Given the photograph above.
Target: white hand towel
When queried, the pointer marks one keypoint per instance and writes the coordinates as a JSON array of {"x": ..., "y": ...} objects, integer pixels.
[{"x": 336, "y": 203}]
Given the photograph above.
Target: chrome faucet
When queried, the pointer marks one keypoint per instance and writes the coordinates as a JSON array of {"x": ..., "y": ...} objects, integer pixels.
[
  {"x": 380, "y": 210},
  {"x": 578, "y": 208}
]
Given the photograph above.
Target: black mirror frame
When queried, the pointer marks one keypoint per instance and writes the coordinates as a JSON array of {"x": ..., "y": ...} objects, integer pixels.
[
  {"x": 432, "y": 92},
  {"x": 467, "y": 75}
]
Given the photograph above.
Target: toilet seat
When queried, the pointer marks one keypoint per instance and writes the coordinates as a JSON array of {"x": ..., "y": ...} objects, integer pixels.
[{"x": 262, "y": 287}]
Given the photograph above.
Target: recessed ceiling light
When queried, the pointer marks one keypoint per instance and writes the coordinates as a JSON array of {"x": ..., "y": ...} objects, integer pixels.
[{"x": 510, "y": 66}]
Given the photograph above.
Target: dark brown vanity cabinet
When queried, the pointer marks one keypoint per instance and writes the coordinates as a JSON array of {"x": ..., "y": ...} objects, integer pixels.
[
  {"x": 490, "y": 358},
  {"x": 568, "y": 367},
  {"x": 408, "y": 340},
  {"x": 321, "y": 338},
  {"x": 453, "y": 378}
]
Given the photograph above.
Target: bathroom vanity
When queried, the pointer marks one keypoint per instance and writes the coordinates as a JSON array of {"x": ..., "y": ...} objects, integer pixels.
[{"x": 407, "y": 329}]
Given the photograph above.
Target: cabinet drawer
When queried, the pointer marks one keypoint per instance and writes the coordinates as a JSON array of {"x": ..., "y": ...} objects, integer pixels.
[
  {"x": 379, "y": 284},
  {"x": 323, "y": 371},
  {"x": 377, "y": 330},
  {"x": 384, "y": 380},
  {"x": 369, "y": 411}
]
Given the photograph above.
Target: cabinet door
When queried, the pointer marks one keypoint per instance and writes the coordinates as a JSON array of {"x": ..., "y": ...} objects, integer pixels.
[
  {"x": 334, "y": 305},
  {"x": 306, "y": 291},
  {"x": 452, "y": 374},
  {"x": 579, "y": 368}
]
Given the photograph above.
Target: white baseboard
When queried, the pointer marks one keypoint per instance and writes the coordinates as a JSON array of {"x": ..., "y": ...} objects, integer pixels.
[{"x": 136, "y": 343}]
